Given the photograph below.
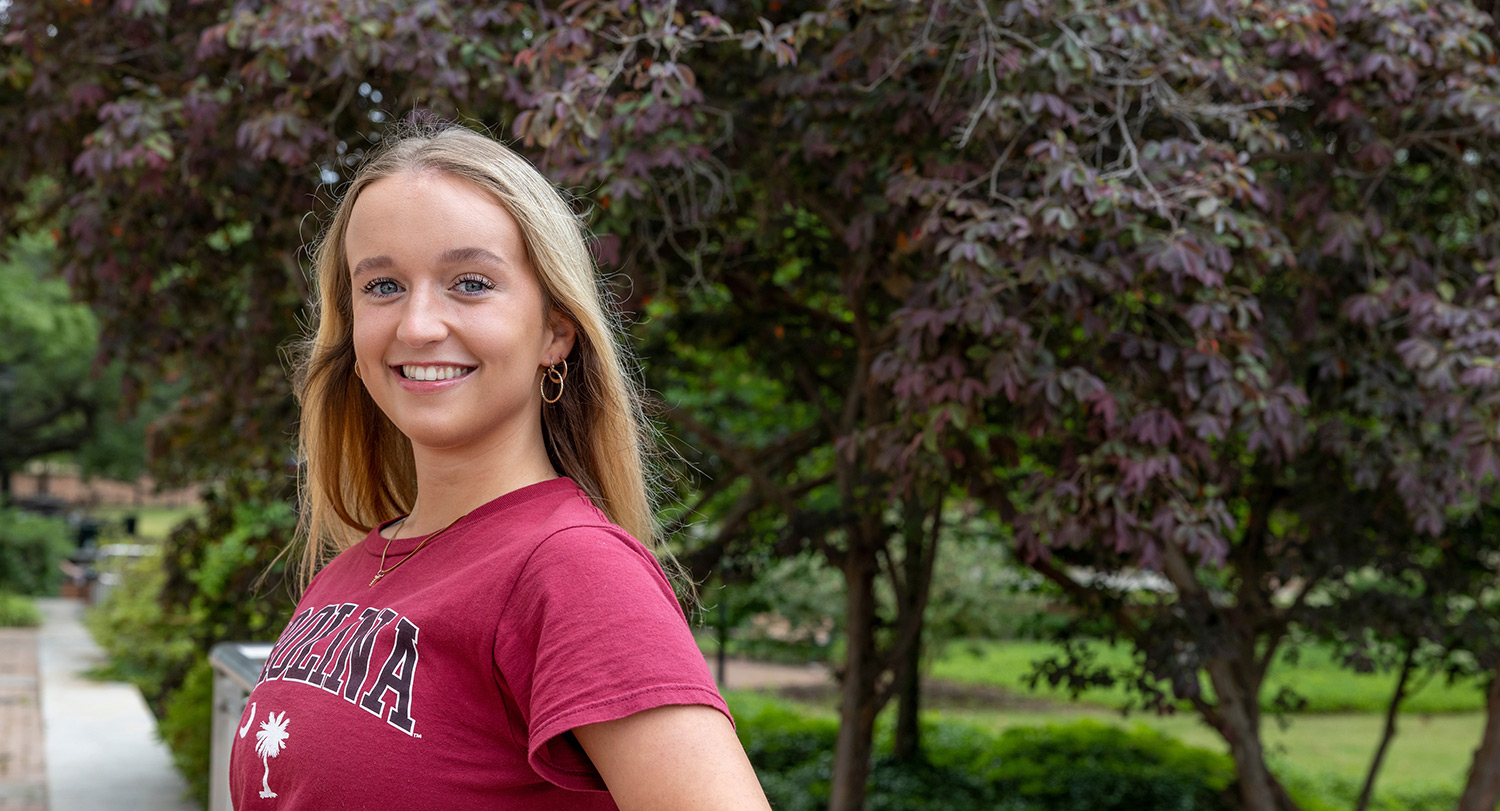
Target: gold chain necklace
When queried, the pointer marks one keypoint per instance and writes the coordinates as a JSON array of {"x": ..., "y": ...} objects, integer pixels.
[{"x": 382, "y": 572}]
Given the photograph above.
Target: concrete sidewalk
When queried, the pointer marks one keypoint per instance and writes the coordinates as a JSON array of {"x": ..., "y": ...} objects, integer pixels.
[{"x": 101, "y": 748}]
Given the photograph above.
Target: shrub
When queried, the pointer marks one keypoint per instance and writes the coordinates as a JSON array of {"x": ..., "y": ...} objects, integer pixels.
[
  {"x": 145, "y": 643},
  {"x": 979, "y": 592},
  {"x": 1090, "y": 766},
  {"x": 792, "y": 609},
  {"x": 778, "y": 738},
  {"x": 187, "y": 726},
  {"x": 789, "y": 612},
  {"x": 17, "y": 611},
  {"x": 1079, "y": 766},
  {"x": 31, "y": 547}
]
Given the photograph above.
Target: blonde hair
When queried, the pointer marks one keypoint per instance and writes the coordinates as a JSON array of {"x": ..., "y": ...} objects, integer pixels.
[{"x": 359, "y": 469}]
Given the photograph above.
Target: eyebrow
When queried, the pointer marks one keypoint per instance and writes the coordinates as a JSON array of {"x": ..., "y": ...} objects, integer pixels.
[
  {"x": 452, "y": 256},
  {"x": 462, "y": 256}
]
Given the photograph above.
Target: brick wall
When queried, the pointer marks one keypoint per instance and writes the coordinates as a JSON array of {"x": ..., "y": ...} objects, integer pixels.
[{"x": 75, "y": 491}]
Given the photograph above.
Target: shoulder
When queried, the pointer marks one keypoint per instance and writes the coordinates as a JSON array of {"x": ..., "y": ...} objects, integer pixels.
[
  {"x": 597, "y": 554},
  {"x": 552, "y": 544},
  {"x": 591, "y": 570},
  {"x": 566, "y": 529}
]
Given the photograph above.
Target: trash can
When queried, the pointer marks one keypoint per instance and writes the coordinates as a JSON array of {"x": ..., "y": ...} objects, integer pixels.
[{"x": 86, "y": 534}]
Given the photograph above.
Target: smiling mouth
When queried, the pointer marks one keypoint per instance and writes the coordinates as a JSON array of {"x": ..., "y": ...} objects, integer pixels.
[{"x": 433, "y": 373}]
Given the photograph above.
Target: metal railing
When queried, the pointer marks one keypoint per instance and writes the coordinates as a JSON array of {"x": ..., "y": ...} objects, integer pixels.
[
  {"x": 108, "y": 560},
  {"x": 236, "y": 669}
]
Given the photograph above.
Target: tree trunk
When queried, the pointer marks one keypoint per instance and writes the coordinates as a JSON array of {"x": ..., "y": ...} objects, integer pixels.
[
  {"x": 1482, "y": 792},
  {"x": 860, "y": 705},
  {"x": 1236, "y": 683},
  {"x": 908, "y": 743},
  {"x": 1239, "y": 723},
  {"x": 917, "y": 575}
]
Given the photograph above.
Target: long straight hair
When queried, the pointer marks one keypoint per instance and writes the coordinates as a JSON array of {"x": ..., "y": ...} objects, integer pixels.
[{"x": 358, "y": 467}]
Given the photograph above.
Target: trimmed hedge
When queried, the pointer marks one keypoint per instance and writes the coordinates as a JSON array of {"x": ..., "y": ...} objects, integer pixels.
[{"x": 1085, "y": 766}]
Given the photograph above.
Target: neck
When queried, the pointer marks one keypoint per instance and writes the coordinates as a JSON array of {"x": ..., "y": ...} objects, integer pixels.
[{"x": 453, "y": 481}]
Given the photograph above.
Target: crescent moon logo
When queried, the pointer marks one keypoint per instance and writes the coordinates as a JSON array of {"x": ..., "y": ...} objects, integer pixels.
[{"x": 248, "y": 721}]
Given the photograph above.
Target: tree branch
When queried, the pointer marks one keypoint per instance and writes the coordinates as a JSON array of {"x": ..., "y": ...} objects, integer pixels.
[
  {"x": 737, "y": 457},
  {"x": 1284, "y": 621},
  {"x": 702, "y": 561},
  {"x": 1086, "y": 596},
  {"x": 1390, "y": 727}
]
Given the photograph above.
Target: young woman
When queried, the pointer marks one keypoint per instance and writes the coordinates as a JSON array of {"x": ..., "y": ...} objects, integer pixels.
[{"x": 507, "y": 642}]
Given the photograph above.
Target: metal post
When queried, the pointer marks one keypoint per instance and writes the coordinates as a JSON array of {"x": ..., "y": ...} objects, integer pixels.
[{"x": 236, "y": 670}]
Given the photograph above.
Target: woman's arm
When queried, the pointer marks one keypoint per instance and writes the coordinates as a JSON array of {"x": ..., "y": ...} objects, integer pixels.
[{"x": 675, "y": 757}]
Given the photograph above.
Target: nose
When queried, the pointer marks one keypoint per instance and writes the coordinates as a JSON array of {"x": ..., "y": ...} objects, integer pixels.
[{"x": 423, "y": 320}]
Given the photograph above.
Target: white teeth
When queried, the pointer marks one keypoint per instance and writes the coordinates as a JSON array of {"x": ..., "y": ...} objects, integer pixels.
[{"x": 433, "y": 372}]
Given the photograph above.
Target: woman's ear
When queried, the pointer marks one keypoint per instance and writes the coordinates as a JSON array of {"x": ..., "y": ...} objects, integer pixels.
[{"x": 564, "y": 332}]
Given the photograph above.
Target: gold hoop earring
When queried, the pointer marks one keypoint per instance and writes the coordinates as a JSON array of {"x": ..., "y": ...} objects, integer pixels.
[
  {"x": 357, "y": 373},
  {"x": 556, "y": 377}
]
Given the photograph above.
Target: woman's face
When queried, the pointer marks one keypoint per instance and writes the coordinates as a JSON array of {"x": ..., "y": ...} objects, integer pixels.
[{"x": 450, "y": 336}]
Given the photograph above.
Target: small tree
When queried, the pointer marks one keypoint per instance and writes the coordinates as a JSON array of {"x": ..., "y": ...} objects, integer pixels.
[{"x": 1223, "y": 306}]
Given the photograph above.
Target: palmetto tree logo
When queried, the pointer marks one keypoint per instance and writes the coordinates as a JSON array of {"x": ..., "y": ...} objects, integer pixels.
[{"x": 269, "y": 742}]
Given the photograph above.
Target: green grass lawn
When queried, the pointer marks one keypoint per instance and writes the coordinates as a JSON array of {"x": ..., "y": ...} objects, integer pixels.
[
  {"x": 1426, "y": 749},
  {"x": 1327, "y": 687},
  {"x": 153, "y": 523}
]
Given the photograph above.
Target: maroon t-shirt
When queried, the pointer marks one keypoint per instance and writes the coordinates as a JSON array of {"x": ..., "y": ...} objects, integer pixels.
[{"x": 453, "y": 682}]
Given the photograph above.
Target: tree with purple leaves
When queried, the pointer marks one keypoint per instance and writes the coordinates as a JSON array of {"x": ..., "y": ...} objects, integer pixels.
[
  {"x": 1203, "y": 287},
  {"x": 1227, "y": 311}
]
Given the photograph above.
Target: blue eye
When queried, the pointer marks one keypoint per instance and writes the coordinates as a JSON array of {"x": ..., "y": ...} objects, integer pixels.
[
  {"x": 382, "y": 288},
  {"x": 474, "y": 284}
]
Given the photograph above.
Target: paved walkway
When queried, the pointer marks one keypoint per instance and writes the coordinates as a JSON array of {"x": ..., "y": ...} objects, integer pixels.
[
  {"x": 22, "y": 779},
  {"x": 68, "y": 743},
  {"x": 747, "y": 674}
]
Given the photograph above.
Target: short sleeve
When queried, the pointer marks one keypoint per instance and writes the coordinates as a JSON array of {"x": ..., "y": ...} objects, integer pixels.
[{"x": 592, "y": 632}]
